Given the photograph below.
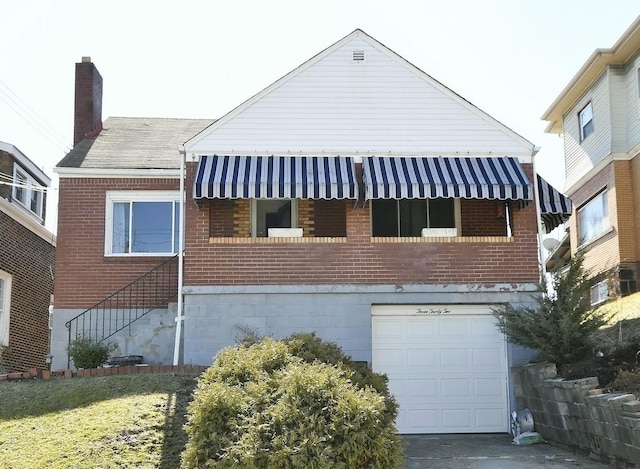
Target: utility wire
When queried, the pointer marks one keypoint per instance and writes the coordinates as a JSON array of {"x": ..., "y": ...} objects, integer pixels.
[{"x": 32, "y": 118}]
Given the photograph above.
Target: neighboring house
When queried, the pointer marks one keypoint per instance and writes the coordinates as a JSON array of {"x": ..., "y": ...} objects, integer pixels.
[
  {"x": 27, "y": 257},
  {"x": 598, "y": 113},
  {"x": 356, "y": 197}
]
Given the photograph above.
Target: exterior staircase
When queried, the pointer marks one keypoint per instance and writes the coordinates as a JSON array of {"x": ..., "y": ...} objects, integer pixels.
[{"x": 152, "y": 290}]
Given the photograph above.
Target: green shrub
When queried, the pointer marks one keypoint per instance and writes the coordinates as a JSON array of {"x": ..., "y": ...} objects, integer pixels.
[
  {"x": 263, "y": 406},
  {"x": 88, "y": 353},
  {"x": 562, "y": 325}
]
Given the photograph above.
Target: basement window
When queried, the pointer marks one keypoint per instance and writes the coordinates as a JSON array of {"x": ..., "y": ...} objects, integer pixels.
[{"x": 142, "y": 223}]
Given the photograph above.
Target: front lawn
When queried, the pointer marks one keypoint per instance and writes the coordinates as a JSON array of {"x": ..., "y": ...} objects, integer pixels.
[{"x": 133, "y": 421}]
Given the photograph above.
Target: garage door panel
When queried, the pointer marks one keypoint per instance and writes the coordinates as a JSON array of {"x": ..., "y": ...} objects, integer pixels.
[
  {"x": 418, "y": 329},
  {"x": 455, "y": 387},
  {"x": 389, "y": 358},
  {"x": 455, "y": 357},
  {"x": 448, "y": 373},
  {"x": 493, "y": 388},
  {"x": 490, "y": 357},
  {"x": 422, "y": 358},
  {"x": 422, "y": 388},
  {"x": 453, "y": 327}
]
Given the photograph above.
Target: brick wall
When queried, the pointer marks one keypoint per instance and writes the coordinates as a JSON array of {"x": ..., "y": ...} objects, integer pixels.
[
  {"x": 359, "y": 260},
  {"x": 578, "y": 415},
  {"x": 88, "y": 100},
  {"x": 84, "y": 275},
  {"x": 30, "y": 260},
  {"x": 603, "y": 252}
]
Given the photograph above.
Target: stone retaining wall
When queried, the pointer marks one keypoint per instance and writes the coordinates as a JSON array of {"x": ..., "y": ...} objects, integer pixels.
[{"x": 576, "y": 414}]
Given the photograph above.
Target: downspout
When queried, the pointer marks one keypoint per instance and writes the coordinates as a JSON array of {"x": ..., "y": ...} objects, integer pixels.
[
  {"x": 543, "y": 269},
  {"x": 181, "y": 243}
]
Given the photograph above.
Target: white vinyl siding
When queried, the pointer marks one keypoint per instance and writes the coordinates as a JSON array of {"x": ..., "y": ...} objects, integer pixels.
[
  {"x": 377, "y": 105},
  {"x": 5, "y": 307},
  {"x": 580, "y": 157},
  {"x": 618, "y": 111},
  {"x": 632, "y": 98}
]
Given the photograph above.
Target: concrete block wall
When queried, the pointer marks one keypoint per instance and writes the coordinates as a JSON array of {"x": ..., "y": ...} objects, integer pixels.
[{"x": 577, "y": 414}]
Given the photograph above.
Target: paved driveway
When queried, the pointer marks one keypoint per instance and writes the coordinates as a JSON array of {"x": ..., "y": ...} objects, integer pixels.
[{"x": 487, "y": 451}]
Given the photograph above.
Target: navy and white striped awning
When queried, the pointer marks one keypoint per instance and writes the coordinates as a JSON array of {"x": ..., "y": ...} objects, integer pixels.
[
  {"x": 275, "y": 177},
  {"x": 555, "y": 208},
  {"x": 447, "y": 177}
]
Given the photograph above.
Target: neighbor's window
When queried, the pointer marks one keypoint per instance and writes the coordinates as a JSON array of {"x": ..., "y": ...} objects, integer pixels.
[
  {"x": 599, "y": 293},
  {"x": 593, "y": 218},
  {"x": 407, "y": 217},
  {"x": 272, "y": 213},
  {"x": 142, "y": 223},
  {"x": 585, "y": 119},
  {"x": 28, "y": 192},
  {"x": 5, "y": 304}
]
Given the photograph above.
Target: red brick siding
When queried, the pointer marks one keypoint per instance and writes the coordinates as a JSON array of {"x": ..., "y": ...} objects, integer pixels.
[
  {"x": 84, "y": 275},
  {"x": 330, "y": 217},
  {"x": 359, "y": 261},
  {"x": 30, "y": 261},
  {"x": 478, "y": 217},
  {"x": 220, "y": 217},
  {"x": 602, "y": 253}
]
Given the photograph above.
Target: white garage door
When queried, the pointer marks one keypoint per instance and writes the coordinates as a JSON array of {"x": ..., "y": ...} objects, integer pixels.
[{"x": 447, "y": 367}]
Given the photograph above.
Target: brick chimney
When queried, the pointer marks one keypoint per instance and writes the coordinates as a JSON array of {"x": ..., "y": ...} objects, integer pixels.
[{"x": 88, "y": 101}]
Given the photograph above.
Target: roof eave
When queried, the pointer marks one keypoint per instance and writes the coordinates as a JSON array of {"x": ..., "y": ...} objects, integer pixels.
[{"x": 619, "y": 54}]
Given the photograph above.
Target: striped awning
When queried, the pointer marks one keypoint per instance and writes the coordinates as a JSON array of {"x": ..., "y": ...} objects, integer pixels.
[
  {"x": 448, "y": 177},
  {"x": 275, "y": 177},
  {"x": 555, "y": 208}
]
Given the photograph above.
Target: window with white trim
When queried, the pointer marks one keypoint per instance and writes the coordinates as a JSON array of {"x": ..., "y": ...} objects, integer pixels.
[
  {"x": 408, "y": 217},
  {"x": 599, "y": 293},
  {"x": 585, "y": 120},
  {"x": 272, "y": 213},
  {"x": 27, "y": 191},
  {"x": 593, "y": 218},
  {"x": 142, "y": 223},
  {"x": 5, "y": 307}
]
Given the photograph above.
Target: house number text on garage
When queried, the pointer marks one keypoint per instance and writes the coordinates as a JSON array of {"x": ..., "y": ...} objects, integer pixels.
[{"x": 432, "y": 311}]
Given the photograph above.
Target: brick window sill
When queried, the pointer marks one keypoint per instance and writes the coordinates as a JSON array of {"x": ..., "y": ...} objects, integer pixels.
[
  {"x": 452, "y": 239},
  {"x": 308, "y": 240}
]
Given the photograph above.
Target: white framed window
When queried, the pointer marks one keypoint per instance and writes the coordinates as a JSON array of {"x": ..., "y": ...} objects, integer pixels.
[
  {"x": 599, "y": 293},
  {"x": 5, "y": 307},
  {"x": 141, "y": 223},
  {"x": 28, "y": 192},
  {"x": 408, "y": 217},
  {"x": 272, "y": 213},
  {"x": 585, "y": 120},
  {"x": 593, "y": 218}
]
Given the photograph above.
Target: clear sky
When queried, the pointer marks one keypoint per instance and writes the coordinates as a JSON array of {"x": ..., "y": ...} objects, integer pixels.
[{"x": 200, "y": 59}]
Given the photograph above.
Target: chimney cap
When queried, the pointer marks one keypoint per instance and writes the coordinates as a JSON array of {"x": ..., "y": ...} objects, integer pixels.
[{"x": 86, "y": 59}]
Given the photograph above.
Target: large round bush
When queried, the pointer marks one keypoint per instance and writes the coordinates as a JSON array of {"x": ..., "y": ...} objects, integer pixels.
[{"x": 263, "y": 406}]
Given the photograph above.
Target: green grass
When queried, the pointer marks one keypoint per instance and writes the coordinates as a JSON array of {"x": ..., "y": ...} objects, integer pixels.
[{"x": 133, "y": 421}]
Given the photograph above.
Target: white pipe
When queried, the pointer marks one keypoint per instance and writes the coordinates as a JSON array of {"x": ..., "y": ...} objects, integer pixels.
[
  {"x": 180, "y": 316},
  {"x": 543, "y": 268}
]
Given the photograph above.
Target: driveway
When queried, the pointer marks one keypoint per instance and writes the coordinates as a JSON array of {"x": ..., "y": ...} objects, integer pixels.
[{"x": 487, "y": 451}]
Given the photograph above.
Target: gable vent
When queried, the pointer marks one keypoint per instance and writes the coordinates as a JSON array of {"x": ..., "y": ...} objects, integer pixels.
[{"x": 358, "y": 56}]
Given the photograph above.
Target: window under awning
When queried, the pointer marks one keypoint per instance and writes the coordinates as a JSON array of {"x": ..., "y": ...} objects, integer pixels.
[
  {"x": 555, "y": 208},
  {"x": 275, "y": 177},
  {"x": 500, "y": 178}
]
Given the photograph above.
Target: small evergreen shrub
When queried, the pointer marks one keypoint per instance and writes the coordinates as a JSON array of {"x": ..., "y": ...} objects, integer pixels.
[
  {"x": 88, "y": 353},
  {"x": 562, "y": 325},
  {"x": 263, "y": 406}
]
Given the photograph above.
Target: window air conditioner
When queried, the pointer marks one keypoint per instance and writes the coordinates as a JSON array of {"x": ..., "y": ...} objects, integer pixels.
[{"x": 439, "y": 232}]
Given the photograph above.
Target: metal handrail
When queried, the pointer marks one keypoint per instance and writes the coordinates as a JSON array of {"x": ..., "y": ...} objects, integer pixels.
[{"x": 154, "y": 289}]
